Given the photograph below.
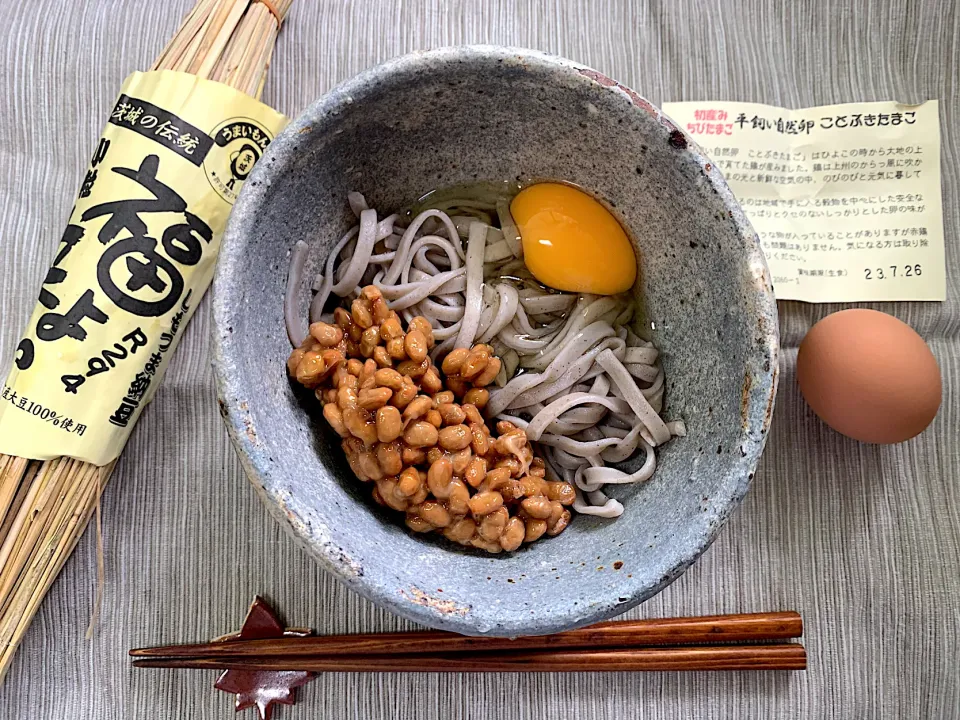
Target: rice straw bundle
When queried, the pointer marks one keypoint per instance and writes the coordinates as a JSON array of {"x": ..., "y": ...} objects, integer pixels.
[{"x": 46, "y": 505}]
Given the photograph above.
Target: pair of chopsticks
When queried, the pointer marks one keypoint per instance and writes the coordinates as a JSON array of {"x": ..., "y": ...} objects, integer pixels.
[{"x": 633, "y": 645}]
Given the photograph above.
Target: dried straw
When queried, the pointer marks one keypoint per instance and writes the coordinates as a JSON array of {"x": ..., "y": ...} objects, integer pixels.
[{"x": 45, "y": 506}]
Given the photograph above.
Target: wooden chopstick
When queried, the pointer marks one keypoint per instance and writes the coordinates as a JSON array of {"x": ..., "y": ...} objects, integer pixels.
[
  {"x": 722, "y": 657},
  {"x": 617, "y": 634}
]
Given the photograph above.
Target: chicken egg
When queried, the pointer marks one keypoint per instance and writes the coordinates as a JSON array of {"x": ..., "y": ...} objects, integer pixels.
[
  {"x": 571, "y": 242},
  {"x": 869, "y": 376}
]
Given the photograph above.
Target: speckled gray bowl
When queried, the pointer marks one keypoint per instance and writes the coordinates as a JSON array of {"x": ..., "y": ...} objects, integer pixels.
[{"x": 451, "y": 116}]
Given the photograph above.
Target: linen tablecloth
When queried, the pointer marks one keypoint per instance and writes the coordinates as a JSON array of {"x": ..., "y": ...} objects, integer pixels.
[{"x": 864, "y": 541}]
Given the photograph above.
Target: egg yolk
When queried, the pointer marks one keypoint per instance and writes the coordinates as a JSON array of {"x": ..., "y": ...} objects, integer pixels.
[{"x": 571, "y": 242}]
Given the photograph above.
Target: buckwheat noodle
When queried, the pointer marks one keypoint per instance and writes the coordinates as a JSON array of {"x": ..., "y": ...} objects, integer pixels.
[{"x": 582, "y": 384}]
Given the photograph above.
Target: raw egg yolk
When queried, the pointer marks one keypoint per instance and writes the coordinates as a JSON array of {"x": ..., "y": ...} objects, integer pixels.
[{"x": 571, "y": 242}]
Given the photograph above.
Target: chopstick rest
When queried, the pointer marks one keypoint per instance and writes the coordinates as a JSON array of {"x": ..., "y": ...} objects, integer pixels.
[{"x": 257, "y": 687}]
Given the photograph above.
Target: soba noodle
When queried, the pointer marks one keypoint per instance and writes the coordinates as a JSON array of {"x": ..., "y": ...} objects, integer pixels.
[{"x": 585, "y": 388}]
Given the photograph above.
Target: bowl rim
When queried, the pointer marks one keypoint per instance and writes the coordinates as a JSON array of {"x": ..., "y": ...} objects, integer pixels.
[{"x": 763, "y": 365}]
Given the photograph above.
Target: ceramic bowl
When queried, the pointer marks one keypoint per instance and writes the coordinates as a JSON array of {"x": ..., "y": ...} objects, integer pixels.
[{"x": 440, "y": 118}]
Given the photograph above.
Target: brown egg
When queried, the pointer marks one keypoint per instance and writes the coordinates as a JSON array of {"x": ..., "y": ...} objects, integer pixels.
[{"x": 869, "y": 376}]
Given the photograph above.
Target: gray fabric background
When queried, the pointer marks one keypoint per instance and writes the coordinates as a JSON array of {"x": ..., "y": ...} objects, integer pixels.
[{"x": 863, "y": 541}]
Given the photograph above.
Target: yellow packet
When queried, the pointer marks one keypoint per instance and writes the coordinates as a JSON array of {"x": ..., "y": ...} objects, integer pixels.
[{"x": 137, "y": 255}]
